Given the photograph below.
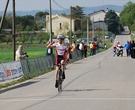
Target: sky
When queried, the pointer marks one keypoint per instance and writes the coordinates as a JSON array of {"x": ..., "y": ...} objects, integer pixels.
[{"x": 28, "y": 5}]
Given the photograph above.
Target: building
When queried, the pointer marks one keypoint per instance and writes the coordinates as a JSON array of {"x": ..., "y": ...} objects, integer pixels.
[
  {"x": 60, "y": 24},
  {"x": 97, "y": 17}
]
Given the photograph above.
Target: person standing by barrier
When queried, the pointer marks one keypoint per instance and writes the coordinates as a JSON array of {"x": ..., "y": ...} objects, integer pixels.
[
  {"x": 127, "y": 47},
  {"x": 73, "y": 46},
  {"x": 49, "y": 51},
  {"x": 85, "y": 50},
  {"x": 20, "y": 55},
  {"x": 77, "y": 46},
  {"x": 94, "y": 48},
  {"x": 91, "y": 48},
  {"x": 81, "y": 48},
  {"x": 133, "y": 49}
]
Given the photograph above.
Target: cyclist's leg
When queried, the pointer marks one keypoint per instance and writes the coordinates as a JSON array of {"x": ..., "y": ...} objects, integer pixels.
[
  {"x": 56, "y": 75},
  {"x": 63, "y": 68},
  {"x": 56, "y": 72}
]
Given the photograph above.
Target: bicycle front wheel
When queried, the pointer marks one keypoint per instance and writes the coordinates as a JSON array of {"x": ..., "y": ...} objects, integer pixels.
[{"x": 60, "y": 87}]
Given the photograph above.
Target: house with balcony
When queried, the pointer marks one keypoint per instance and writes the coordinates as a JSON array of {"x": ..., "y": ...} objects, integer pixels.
[{"x": 60, "y": 24}]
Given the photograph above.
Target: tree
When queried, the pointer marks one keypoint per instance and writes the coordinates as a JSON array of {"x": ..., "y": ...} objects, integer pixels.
[
  {"x": 127, "y": 16},
  {"x": 8, "y": 38},
  {"x": 41, "y": 16},
  {"x": 7, "y": 24},
  {"x": 25, "y": 21},
  {"x": 40, "y": 19},
  {"x": 42, "y": 36},
  {"x": 23, "y": 38},
  {"x": 112, "y": 21},
  {"x": 133, "y": 26},
  {"x": 84, "y": 23},
  {"x": 77, "y": 14}
]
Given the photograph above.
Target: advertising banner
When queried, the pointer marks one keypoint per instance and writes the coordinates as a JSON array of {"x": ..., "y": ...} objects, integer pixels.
[
  {"x": 11, "y": 71},
  {"x": 2, "y": 73}
]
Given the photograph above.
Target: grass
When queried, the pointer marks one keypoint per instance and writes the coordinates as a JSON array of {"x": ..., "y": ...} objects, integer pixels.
[
  {"x": 33, "y": 51},
  {"x": 7, "y": 54}
]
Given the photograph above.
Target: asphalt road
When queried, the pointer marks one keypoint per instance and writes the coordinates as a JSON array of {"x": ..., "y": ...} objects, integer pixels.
[{"x": 100, "y": 82}]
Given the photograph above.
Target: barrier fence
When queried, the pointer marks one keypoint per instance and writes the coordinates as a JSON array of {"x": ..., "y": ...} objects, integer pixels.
[{"x": 14, "y": 70}]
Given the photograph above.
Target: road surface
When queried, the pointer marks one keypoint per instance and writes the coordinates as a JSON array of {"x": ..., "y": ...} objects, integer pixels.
[{"x": 100, "y": 82}]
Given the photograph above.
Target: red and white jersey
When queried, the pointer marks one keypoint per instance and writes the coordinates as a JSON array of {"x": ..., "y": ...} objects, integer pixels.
[{"x": 60, "y": 49}]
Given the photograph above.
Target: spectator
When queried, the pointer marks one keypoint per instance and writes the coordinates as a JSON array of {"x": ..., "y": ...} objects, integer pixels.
[
  {"x": 81, "y": 48},
  {"x": 97, "y": 45},
  {"x": 20, "y": 55},
  {"x": 127, "y": 46},
  {"x": 69, "y": 51},
  {"x": 94, "y": 48},
  {"x": 133, "y": 49},
  {"x": 85, "y": 50},
  {"x": 91, "y": 48},
  {"x": 118, "y": 43},
  {"x": 105, "y": 46},
  {"x": 114, "y": 50},
  {"x": 73, "y": 46},
  {"x": 49, "y": 51},
  {"x": 77, "y": 46}
]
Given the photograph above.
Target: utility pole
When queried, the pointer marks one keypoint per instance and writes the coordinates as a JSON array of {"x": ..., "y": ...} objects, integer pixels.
[
  {"x": 2, "y": 19},
  {"x": 71, "y": 25},
  {"x": 50, "y": 22},
  {"x": 13, "y": 30},
  {"x": 93, "y": 28},
  {"x": 81, "y": 26},
  {"x": 87, "y": 31}
]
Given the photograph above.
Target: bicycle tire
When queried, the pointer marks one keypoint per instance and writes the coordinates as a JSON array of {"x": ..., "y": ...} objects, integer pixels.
[
  {"x": 60, "y": 80},
  {"x": 60, "y": 87}
]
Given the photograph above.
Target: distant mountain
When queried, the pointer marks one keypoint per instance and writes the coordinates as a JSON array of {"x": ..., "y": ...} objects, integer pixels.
[{"x": 87, "y": 10}]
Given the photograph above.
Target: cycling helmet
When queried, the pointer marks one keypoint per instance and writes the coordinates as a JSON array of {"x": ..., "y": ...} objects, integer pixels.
[{"x": 60, "y": 36}]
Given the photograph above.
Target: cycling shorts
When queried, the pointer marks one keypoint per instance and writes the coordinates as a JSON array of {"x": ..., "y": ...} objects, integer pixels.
[{"x": 58, "y": 59}]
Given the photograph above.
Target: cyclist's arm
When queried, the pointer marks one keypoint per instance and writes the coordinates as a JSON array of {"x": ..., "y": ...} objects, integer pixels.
[
  {"x": 50, "y": 45},
  {"x": 68, "y": 54}
]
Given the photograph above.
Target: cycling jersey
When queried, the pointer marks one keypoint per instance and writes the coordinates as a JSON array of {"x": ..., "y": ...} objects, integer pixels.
[{"x": 61, "y": 50}]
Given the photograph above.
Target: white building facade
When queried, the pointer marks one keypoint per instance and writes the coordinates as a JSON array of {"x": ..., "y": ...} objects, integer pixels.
[{"x": 60, "y": 24}]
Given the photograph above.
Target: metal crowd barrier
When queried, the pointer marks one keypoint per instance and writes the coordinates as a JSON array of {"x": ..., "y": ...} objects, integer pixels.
[{"x": 42, "y": 63}]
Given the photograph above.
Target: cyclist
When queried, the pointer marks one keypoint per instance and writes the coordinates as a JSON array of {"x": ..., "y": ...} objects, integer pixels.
[{"x": 61, "y": 55}]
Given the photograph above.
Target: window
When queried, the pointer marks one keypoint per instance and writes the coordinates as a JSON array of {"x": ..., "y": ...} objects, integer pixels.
[{"x": 60, "y": 26}]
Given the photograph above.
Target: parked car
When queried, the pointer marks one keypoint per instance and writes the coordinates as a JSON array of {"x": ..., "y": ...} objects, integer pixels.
[{"x": 107, "y": 36}]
